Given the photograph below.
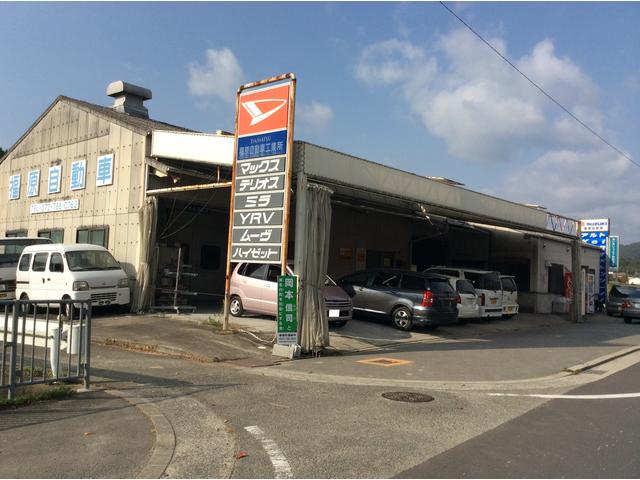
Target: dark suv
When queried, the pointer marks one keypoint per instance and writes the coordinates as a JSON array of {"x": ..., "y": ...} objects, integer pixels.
[{"x": 407, "y": 297}]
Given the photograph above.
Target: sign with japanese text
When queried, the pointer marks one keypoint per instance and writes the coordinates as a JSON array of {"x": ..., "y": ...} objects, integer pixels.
[
  {"x": 14, "y": 187},
  {"x": 596, "y": 232},
  {"x": 78, "y": 174},
  {"x": 33, "y": 183},
  {"x": 55, "y": 179},
  {"x": 614, "y": 252},
  {"x": 104, "y": 170},
  {"x": 262, "y": 171},
  {"x": 287, "y": 309}
]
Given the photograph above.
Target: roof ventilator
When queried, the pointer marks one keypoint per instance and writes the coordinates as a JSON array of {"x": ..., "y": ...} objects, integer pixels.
[{"x": 129, "y": 98}]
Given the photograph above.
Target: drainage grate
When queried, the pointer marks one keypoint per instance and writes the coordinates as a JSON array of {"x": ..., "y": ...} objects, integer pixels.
[
  {"x": 411, "y": 397},
  {"x": 385, "y": 362}
]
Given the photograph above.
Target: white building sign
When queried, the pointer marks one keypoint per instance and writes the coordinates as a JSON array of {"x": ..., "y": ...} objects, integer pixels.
[
  {"x": 14, "y": 187},
  {"x": 78, "y": 174},
  {"x": 104, "y": 170},
  {"x": 55, "y": 179},
  {"x": 57, "y": 206},
  {"x": 596, "y": 225},
  {"x": 33, "y": 183}
]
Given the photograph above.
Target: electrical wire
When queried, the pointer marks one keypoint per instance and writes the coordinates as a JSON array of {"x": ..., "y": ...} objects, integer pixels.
[{"x": 566, "y": 110}]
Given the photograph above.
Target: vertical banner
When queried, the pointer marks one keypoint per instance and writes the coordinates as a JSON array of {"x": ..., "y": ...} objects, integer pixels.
[
  {"x": 287, "y": 309},
  {"x": 262, "y": 171},
  {"x": 596, "y": 232},
  {"x": 614, "y": 252}
]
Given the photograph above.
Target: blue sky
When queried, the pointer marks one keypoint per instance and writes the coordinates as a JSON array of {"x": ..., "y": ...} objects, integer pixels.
[{"x": 402, "y": 84}]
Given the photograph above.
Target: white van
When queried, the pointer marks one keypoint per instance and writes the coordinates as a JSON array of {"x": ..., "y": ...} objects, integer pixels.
[
  {"x": 510, "y": 305},
  {"x": 486, "y": 283},
  {"x": 71, "y": 271},
  {"x": 10, "y": 250}
]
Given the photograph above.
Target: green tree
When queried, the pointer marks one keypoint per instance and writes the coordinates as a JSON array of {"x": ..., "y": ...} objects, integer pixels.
[{"x": 2, "y": 152}]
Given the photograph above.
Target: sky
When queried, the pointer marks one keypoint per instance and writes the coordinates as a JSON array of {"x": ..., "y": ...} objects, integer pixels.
[{"x": 402, "y": 84}]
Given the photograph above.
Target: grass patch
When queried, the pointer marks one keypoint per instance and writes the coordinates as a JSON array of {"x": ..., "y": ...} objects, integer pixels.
[{"x": 36, "y": 393}]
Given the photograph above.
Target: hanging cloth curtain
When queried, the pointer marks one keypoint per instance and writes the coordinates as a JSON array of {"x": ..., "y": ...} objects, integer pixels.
[
  {"x": 146, "y": 269},
  {"x": 314, "y": 329}
]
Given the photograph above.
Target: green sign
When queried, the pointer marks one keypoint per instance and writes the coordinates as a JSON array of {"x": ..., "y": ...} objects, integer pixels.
[{"x": 287, "y": 309}]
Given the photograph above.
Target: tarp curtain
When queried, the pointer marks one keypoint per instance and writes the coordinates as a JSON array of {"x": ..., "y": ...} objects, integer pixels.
[
  {"x": 314, "y": 329},
  {"x": 146, "y": 270}
]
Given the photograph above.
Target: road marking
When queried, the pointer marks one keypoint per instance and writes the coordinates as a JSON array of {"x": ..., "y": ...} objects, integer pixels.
[
  {"x": 279, "y": 461},
  {"x": 385, "y": 362},
  {"x": 569, "y": 397}
]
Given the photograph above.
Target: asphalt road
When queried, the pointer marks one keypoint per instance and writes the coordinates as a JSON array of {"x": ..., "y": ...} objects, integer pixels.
[{"x": 563, "y": 438}]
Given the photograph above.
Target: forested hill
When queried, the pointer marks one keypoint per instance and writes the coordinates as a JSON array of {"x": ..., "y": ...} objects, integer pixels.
[{"x": 630, "y": 258}]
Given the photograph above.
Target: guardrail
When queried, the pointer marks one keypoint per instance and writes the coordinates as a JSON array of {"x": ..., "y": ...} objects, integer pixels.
[{"x": 43, "y": 341}]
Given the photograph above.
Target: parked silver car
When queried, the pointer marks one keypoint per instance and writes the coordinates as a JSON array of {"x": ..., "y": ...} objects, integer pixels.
[{"x": 617, "y": 295}]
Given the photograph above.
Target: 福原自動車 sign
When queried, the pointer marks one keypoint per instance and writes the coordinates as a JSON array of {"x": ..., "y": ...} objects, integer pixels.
[{"x": 262, "y": 171}]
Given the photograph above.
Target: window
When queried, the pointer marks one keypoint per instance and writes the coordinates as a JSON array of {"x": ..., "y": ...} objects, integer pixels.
[
  {"x": 39, "y": 262},
  {"x": 55, "y": 263},
  {"x": 508, "y": 285},
  {"x": 556, "y": 278},
  {"x": 256, "y": 270},
  {"x": 16, "y": 233},
  {"x": 359, "y": 279},
  {"x": 94, "y": 236},
  {"x": 413, "y": 282},
  {"x": 210, "y": 257},
  {"x": 491, "y": 281},
  {"x": 385, "y": 280},
  {"x": 274, "y": 272},
  {"x": 83, "y": 260},
  {"x": 24, "y": 262},
  {"x": 465, "y": 286},
  {"x": 56, "y": 236},
  {"x": 440, "y": 285}
]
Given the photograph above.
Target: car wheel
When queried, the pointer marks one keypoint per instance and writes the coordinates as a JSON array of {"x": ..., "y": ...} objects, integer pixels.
[
  {"x": 25, "y": 309},
  {"x": 69, "y": 309},
  {"x": 401, "y": 318},
  {"x": 339, "y": 324},
  {"x": 627, "y": 320},
  {"x": 235, "y": 306}
]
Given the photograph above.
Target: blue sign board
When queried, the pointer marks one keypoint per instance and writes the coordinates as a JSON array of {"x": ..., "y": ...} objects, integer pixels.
[
  {"x": 55, "y": 179},
  {"x": 78, "y": 174},
  {"x": 14, "y": 187},
  {"x": 263, "y": 145},
  {"x": 104, "y": 170},
  {"x": 33, "y": 183}
]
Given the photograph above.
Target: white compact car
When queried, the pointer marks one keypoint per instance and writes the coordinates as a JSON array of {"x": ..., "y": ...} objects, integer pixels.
[
  {"x": 71, "y": 271},
  {"x": 487, "y": 286},
  {"x": 468, "y": 307},
  {"x": 510, "y": 305}
]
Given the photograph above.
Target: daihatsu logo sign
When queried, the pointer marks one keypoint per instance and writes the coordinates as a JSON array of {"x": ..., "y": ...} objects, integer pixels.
[{"x": 256, "y": 108}]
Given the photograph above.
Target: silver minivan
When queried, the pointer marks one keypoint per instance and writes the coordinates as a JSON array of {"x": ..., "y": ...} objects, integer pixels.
[{"x": 486, "y": 283}]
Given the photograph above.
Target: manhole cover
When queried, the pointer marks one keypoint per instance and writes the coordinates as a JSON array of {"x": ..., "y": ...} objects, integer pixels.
[{"x": 411, "y": 397}]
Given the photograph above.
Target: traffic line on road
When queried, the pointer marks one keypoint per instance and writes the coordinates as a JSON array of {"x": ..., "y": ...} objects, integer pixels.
[
  {"x": 569, "y": 397},
  {"x": 278, "y": 460}
]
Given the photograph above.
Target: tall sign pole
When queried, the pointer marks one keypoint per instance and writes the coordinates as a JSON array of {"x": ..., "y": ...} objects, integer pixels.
[{"x": 261, "y": 182}]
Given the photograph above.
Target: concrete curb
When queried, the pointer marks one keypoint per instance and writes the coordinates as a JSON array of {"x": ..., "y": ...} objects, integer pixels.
[
  {"x": 165, "y": 436},
  {"x": 576, "y": 369},
  {"x": 153, "y": 349}
]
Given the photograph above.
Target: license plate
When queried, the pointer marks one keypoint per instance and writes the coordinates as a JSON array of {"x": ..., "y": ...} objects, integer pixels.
[
  {"x": 3, "y": 287},
  {"x": 334, "y": 313},
  {"x": 2, "y": 295},
  {"x": 493, "y": 301}
]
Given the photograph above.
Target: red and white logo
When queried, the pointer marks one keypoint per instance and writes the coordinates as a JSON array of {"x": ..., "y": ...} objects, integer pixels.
[{"x": 264, "y": 110}]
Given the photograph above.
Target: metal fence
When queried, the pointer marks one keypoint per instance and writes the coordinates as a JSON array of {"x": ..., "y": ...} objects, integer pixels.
[{"x": 44, "y": 341}]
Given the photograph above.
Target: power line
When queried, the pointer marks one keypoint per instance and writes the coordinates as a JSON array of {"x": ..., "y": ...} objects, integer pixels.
[{"x": 567, "y": 111}]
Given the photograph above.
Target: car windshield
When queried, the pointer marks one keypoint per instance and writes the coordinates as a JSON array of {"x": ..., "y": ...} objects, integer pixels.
[
  {"x": 635, "y": 294},
  {"x": 464, "y": 286},
  {"x": 623, "y": 290},
  {"x": 82, "y": 260},
  {"x": 11, "y": 248}
]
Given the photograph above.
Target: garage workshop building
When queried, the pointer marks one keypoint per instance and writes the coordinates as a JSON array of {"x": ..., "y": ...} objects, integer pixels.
[{"x": 157, "y": 196}]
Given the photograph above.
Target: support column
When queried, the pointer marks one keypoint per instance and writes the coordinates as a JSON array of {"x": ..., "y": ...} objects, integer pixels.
[
  {"x": 576, "y": 273},
  {"x": 301, "y": 231}
]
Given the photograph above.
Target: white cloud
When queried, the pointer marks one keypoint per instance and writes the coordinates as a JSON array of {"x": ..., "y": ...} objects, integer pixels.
[
  {"x": 315, "y": 115},
  {"x": 484, "y": 110},
  {"x": 481, "y": 107},
  {"x": 219, "y": 76}
]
